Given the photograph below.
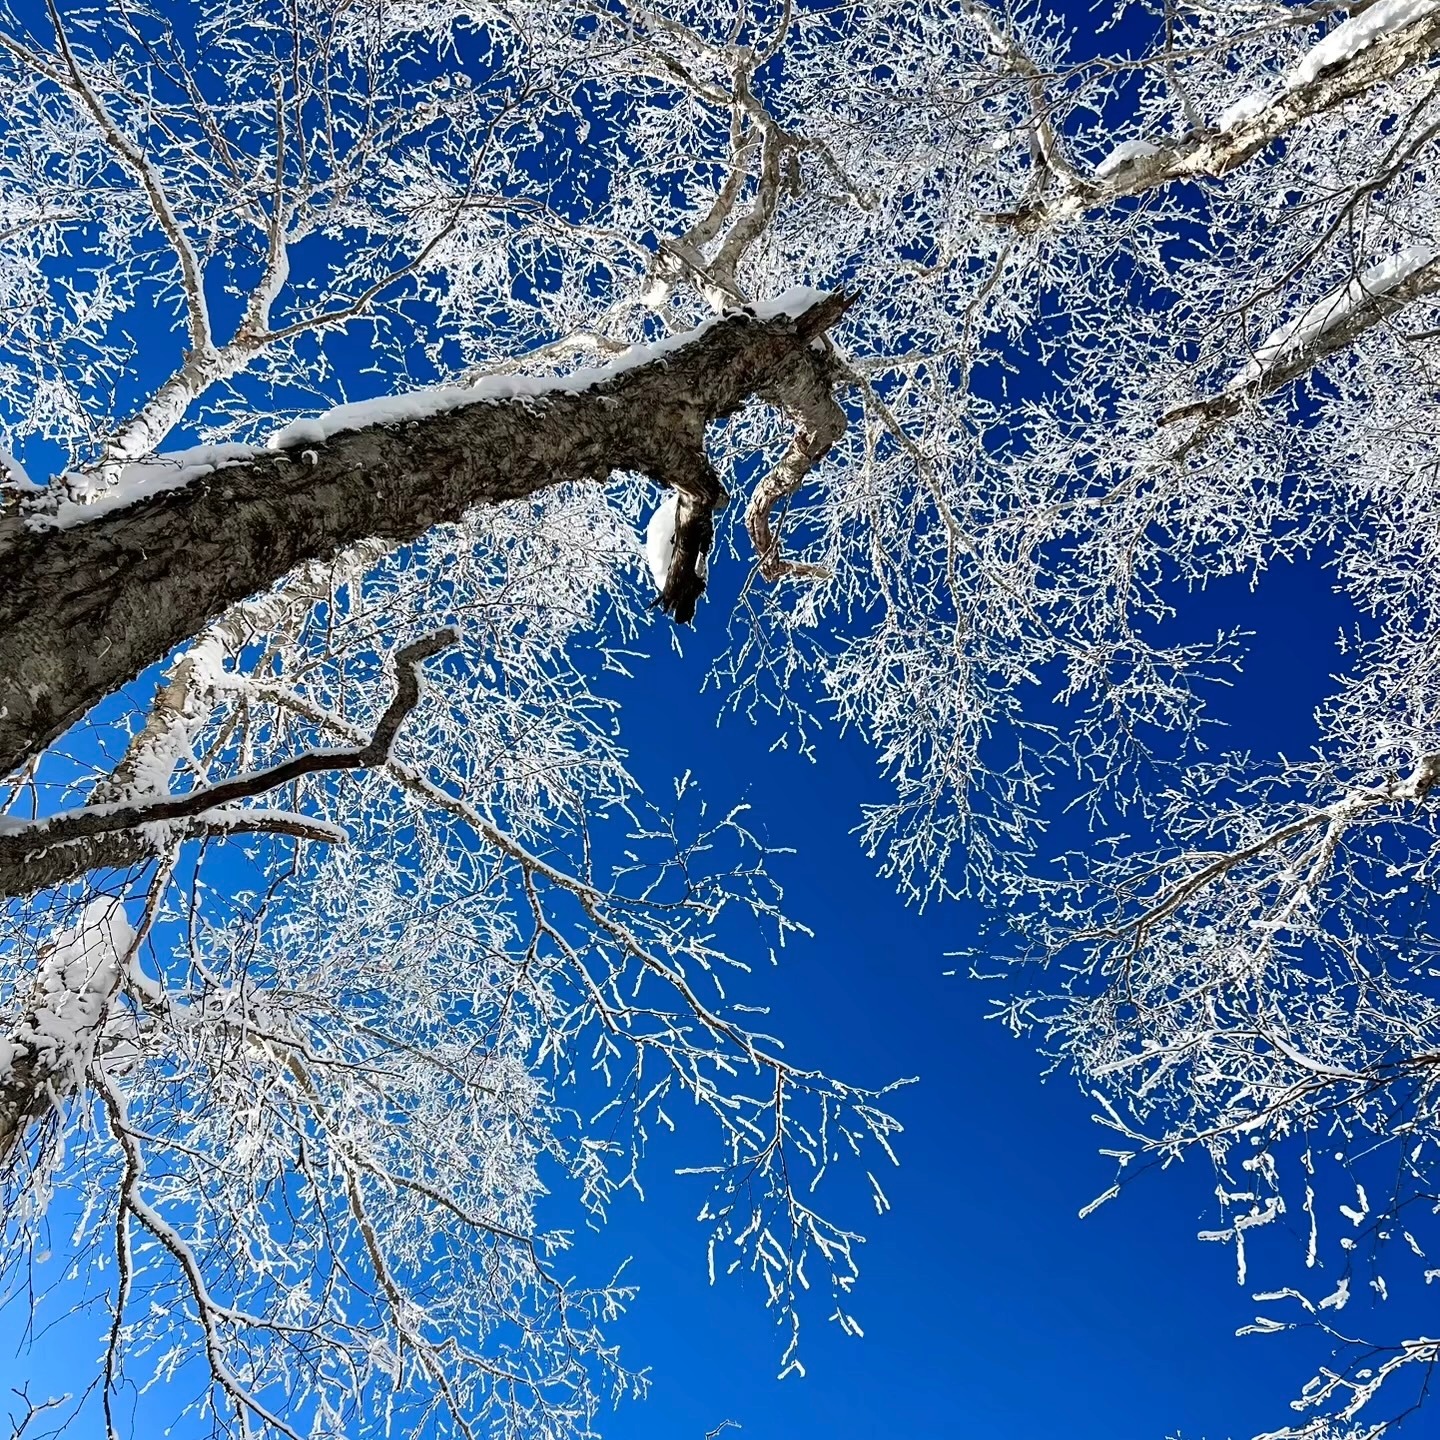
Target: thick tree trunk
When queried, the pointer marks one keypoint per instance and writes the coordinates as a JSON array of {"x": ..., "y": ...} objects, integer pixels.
[{"x": 85, "y": 609}]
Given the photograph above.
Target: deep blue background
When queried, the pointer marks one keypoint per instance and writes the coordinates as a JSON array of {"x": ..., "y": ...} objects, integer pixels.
[{"x": 989, "y": 1307}]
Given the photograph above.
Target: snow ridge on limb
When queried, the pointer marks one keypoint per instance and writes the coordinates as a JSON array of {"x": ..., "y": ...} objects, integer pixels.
[
  {"x": 1246, "y": 128},
  {"x": 1324, "y": 328},
  {"x": 90, "y": 606}
]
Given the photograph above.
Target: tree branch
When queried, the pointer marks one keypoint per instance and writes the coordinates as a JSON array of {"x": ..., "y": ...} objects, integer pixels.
[
  {"x": 1213, "y": 152},
  {"x": 87, "y": 608},
  {"x": 1292, "y": 362},
  {"x": 43, "y": 853},
  {"x": 73, "y": 79}
]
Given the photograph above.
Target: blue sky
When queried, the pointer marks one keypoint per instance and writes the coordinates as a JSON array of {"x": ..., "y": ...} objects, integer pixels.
[{"x": 989, "y": 1307}]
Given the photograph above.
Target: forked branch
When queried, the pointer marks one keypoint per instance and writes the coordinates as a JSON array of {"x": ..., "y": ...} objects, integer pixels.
[{"x": 39, "y": 854}]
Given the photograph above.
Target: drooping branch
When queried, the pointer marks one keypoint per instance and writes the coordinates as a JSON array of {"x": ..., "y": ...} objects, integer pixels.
[
  {"x": 49, "y": 852},
  {"x": 804, "y": 392},
  {"x": 88, "y": 607}
]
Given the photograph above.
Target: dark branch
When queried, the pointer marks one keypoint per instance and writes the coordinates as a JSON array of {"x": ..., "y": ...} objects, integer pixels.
[
  {"x": 86, "y": 609},
  {"x": 44, "y": 853}
]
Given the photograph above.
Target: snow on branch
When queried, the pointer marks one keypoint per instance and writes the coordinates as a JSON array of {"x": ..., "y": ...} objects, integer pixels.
[
  {"x": 176, "y": 558},
  {"x": 44, "y": 1056},
  {"x": 1342, "y": 67},
  {"x": 1322, "y": 329},
  {"x": 1332, "y": 311},
  {"x": 418, "y": 405},
  {"x": 1358, "y": 33}
]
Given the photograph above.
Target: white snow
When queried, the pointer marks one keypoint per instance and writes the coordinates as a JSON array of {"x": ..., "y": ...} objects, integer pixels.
[
  {"x": 1358, "y": 33},
  {"x": 172, "y": 471},
  {"x": 660, "y": 538},
  {"x": 1356, "y": 1213},
  {"x": 1122, "y": 155},
  {"x": 422, "y": 404},
  {"x": 12, "y": 473},
  {"x": 1330, "y": 310},
  {"x": 1247, "y": 107},
  {"x": 794, "y": 301},
  {"x": 139, "y": 481},
  {"x": 76, "y": 981},
  {"x": 1339, "y": 47}
]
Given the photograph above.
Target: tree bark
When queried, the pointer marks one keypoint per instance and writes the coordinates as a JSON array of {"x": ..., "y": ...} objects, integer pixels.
[{"x": 87, "y": 608}]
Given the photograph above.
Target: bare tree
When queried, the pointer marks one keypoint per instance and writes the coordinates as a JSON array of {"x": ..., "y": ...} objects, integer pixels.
[{"x": 1106, "y": 326}]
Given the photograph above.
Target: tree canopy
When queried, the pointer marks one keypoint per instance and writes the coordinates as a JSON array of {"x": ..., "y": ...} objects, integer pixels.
[{"x": 1009, "y": 333}]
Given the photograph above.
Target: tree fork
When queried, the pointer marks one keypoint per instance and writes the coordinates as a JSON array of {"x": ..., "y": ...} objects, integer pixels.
[{"x": 86, "y": 609}]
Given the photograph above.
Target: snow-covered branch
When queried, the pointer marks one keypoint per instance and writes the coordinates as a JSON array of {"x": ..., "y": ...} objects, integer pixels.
[
  {"x": 170, "y": 561},
  {"x": 44, "y": 1056},
  {"x": 1324, "y": 328},
  {"x": 1385, "y": 41},
  {"x": 52, "y": 852}
]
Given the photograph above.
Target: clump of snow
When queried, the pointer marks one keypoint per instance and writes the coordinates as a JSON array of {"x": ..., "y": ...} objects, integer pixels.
[
  {"x": 1122, "y": 155},
  {"x": 77, "y": 979},
  {"x": 1330, "y": 310},
  {"x": 1247, "y": 107},
  {"x": 423, "y": 404},
  {"x": 13, "y": 474},
  {"x": 139, "y": 481},
  {"x": 1357, "y": 33},
  {"x": 1338, "y": 48},
  {"x": 660, "y": 539},
  {"x": 794, "y": 301}
]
